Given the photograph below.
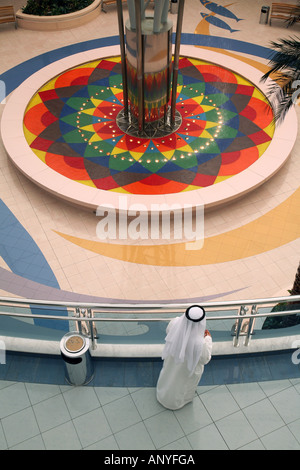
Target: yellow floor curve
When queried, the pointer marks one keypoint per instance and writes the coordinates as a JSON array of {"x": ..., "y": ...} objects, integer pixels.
[{"x": 279, "y": 226}]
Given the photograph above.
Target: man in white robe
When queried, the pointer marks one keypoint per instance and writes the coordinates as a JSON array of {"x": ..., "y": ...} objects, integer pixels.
[{"x": 187, "y": 350}]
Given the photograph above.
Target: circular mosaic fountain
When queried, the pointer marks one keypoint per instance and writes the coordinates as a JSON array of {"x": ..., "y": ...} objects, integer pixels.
[{"x": 70, "y": 126}]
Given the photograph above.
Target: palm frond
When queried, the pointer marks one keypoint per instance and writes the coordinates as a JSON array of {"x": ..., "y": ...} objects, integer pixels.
[
  {"x": 286, "y": 56},
  {"x": 285, "y": 73},
  {"x": 295, "y": 16}
]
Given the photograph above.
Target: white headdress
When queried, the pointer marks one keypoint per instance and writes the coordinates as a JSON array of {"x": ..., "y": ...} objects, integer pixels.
[{"x": 185, "y": 339}]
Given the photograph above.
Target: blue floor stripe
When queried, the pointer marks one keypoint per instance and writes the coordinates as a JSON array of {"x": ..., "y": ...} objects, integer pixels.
[
  {"x": 226, "y": 44},
  {"x": 16, "y": 75},
  {"x": 25, "y": 259},
  {"x": 20, "y": 252},
  {"x": 140, "y": 372}
]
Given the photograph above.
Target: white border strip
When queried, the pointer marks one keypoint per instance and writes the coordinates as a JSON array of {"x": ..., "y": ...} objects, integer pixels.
[{"x": 220, "y": 348}]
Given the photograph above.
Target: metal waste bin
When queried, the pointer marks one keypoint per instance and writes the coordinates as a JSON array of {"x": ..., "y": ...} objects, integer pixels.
[
  {"x": 264, "y": 15},
  {"x": 75, "y": 352}
]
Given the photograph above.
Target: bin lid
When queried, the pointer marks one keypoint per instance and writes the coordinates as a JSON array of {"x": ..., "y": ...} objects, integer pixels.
[{"x": 74, "y": 343}]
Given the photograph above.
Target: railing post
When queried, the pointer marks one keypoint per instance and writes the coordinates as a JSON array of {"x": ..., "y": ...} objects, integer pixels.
[
  {"x": 92, "y": 329},
  {"x": 238, "y": 325},
  {"x": 250, "y": 325},
  {"x": 78, "y": 323}
]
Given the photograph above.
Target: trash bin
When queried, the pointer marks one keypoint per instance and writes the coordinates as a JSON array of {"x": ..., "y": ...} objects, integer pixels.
[
  {"x": 174, "y": 6},
  {"x": 75, "y": 352},
  {"x": 264, "y": 15}
]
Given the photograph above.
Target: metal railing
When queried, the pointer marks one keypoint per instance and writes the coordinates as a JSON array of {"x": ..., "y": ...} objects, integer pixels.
[{"x": 89, "y": 316}]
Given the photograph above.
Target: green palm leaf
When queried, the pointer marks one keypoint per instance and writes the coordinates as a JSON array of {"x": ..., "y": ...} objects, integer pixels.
[{"x": 285, "y": 72}]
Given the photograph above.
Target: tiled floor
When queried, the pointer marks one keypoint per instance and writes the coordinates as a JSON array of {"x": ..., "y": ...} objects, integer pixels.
[
  {"x": 37, "y": 262},
  {"x": 260, "y": 416}
]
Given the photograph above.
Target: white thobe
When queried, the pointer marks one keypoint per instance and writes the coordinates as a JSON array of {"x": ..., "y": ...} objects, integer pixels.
[{"x": 176, "y": 386}]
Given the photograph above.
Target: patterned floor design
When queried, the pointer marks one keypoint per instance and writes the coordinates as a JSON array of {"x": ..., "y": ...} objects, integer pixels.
[{"x": 70, "y": 124}]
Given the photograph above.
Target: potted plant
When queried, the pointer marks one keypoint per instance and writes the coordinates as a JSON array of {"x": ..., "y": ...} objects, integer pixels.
[{"x": 54, "y": 7}]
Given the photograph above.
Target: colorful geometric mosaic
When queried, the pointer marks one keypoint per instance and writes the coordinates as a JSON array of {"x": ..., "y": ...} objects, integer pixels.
[{"x": 70, "y": 124}]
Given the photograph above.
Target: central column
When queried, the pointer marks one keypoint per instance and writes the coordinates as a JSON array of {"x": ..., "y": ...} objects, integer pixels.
[
  {"x": 149, "y": 76},
  {"x": 149, "y": 64}
]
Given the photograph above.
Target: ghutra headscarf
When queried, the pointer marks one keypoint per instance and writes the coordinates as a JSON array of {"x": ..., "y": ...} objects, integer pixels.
[{"x": 184, "y": 341}]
